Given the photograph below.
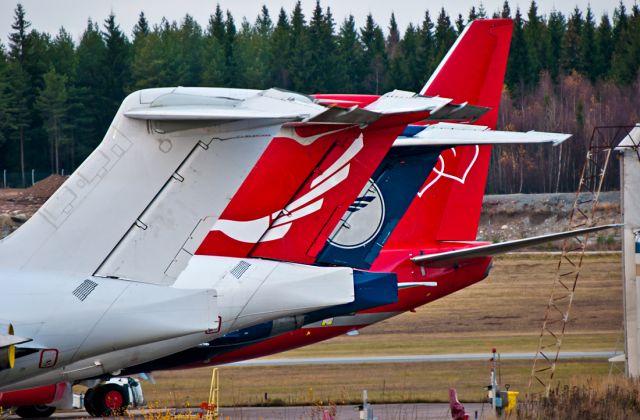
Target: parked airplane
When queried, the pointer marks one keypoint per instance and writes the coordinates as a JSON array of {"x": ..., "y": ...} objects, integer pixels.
[
  {"x": 292, "y": 216},
  {"x": 78, "y": 310},
  {"x": 417, "y": 217}
]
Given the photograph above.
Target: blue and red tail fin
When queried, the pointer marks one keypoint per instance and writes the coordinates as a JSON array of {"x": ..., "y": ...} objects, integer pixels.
[
  {"x": 302, "y": 229},
  {"x": 448, "y": 205},
  {"x": 367, "y": 224}
]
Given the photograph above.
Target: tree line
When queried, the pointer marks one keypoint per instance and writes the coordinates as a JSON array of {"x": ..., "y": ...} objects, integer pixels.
[{"x": 565, "y": 73}]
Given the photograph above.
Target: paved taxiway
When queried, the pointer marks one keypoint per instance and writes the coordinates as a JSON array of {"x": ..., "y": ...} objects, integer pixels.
[{"x": 453, "y": 357}]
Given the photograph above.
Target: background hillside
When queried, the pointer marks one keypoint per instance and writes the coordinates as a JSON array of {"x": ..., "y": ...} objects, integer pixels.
[{"x": 566, "y": 73}]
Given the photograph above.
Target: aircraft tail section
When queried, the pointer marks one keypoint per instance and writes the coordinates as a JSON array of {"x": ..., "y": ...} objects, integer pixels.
[
  {"x": 448, "y": 205},
  {"x": 375, "y": 213},
  {"x": 473, "y": 69},
  {"x": 303, "y": 189}
]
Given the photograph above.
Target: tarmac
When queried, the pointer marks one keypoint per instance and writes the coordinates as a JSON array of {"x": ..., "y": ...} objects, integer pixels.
[{"x": 439, "y": 411}]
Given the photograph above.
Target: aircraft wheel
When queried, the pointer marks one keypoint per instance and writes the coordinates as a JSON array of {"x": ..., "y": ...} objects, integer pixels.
[
  {"x": 107, "y": 400},
  {"x": 88, "y": 402},
  {"x": 35, "y": 411}
]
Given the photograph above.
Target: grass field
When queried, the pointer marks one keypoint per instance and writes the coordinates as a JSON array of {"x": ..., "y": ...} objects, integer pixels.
[{"x": 504, "y": 311}]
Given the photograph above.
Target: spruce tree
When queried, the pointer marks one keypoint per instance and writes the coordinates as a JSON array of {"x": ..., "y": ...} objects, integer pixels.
[
  {"x": 535, "y": 35},
  {"x": 603, "y": 47},
  {"x": 426, "y": 48},
  {"x": 349, "y": 64},
  {"x": 518, "y": 65},
  {"x": 90, "y": 96},
  {"x": 445, "y": 36},
  {"x": 299, "y": 51},
  {"x": 280, "y": 50},
  {"x": 588, "y": 48},
  {"x": 571, "y": 43},
  {"x": 557, "y": 27},
  {"x": 506, "y": 10},
  {"x": 52, "y": 103},
  {"x": 116, "y": 67},
  {"x": 374, "y": 58}
]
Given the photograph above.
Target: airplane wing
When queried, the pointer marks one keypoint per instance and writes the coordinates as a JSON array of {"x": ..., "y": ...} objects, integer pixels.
[
  {"x": 450, "y": 134},
  {"x": 502, "y": 247}
]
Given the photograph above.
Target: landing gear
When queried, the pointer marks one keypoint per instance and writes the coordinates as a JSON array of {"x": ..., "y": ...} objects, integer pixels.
[
  {"x": 35, "y": 411},
  {"x": 106, "y": 400}
]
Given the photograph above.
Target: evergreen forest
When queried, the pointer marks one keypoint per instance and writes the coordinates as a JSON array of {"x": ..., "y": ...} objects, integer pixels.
[{"x": 567, "y": 73}]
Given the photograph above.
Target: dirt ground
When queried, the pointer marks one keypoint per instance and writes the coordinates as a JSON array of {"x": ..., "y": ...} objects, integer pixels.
[{"x": 504, "y": 217}]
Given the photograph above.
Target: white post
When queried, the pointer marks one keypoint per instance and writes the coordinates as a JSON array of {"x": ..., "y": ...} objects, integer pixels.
[
  {"x": 33, "y": 176},
  {"x": 630, "y": 188}
]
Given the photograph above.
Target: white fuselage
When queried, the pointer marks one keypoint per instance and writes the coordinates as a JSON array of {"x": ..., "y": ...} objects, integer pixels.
[{"x": 85, "y": 326}]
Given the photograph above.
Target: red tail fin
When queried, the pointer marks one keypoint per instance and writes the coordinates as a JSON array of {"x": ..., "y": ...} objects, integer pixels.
[
  {"x": 449, "y": 203},
  {"x": 276, "y": 177},
  {"x": 473, "y": 69}
]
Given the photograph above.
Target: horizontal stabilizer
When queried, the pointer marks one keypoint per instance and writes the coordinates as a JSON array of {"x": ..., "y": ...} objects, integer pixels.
[
  {"x": 447, "y": 134},
  {"x": 459, "y": 112},
  {"x": 339, "y": 115},
  {"x": 501, "y": 248},
  {"x": 12, "y": 340},
  {"x": 208, "y": 113},
  {"x": 399, "y": 102}
]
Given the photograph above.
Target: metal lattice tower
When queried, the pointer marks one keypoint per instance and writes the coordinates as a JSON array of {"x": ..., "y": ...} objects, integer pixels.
[{"x": 582, "y": 215}]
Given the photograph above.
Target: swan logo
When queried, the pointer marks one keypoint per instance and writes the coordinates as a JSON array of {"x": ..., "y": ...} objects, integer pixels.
[
  {"x": 276, "y": 225},
  {"x": 363, "y": 220},
  {"x": 441, "y": 170}
]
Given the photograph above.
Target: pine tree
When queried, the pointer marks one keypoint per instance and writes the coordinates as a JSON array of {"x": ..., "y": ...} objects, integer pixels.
[
  {"x": 588, "y": 48},
  {"x": 213, "y": 55},
  {"x": 322, "y": 51},
  {"x": 116, "y": 67},
  {"x": 18, "y": 112},
  {"x": 624, "y": 64},
  {"x": 299, "y": 51},
  {"x": 535, "y": 35},
  {"x": 63, "y": 54},
  {"x": 18, "y": 38},
  {"x": 19, "y": 85},
  {"x": 413, "y": 76},
  {"x": 52, "y": 103},
  {"x": 603, "y": 47},
  {"x": 189, "y": 53},
  {"x": 374, "y": 57},
  {"x": 350, "y": 55},
  {"x": 280, "y": 50},
  {"x": 216, "y": 25},
  {"x": 506, "y": 10},
  {"x": 557, "y": 28},
  {"x": 571, "y": 43},
  {"x": 445, "y": 36},
  {"x": 473, "y": 15},
  {"x": 5, "y": 104},
  {"x": 141, "y": 28},
  {"x": 426, "y": 47},
  {"x": 231, "y": 69},
  {"x": 393, "y": 39},
  {"x": 459, "y": 24},
  {"x": 482, "y": 13},
  {"x": 147, "y": 61},
  {"x": 517, "y": 75},
  {"x": 90, "y": 96}
]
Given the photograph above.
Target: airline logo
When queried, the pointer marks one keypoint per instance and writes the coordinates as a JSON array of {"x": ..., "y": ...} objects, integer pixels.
[
  {"x": 362, "y": 221},
  {"x": 460, "y": 170},
  {"x": 276, "y": 225}
]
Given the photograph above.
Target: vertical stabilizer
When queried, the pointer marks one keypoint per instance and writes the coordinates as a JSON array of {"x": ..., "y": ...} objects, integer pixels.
[{"x": 448, "y": 205}]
